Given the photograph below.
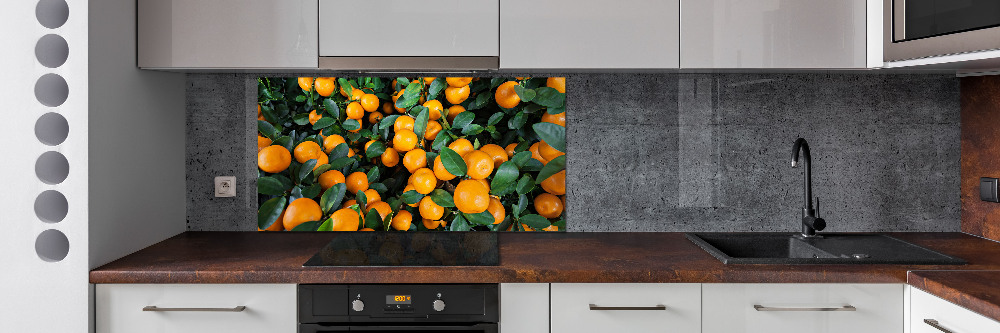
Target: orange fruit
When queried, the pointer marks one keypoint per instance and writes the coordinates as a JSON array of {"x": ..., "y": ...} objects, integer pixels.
[
  {"x": 434, "y": 109},
  {"x": 471, "y": 197},
  {"x": 357, "y": 181},
  {"x": 355, "y": 111},
  {"x": 456, "y": 95},
  {"x": 390, "y": 157},
  {"x": 322, "y": 159},
  {"x": 313, "y": 117},
  {"x": 505, "y": 95},
  {"x": 366, "y": 229},
  {"x": 274, "y": 159},
  {"x": 372, "y": 196},
  {"x": 510, "y": 149},
  {"x": 356, "y": 94},
  {"x": 396, "y": 97},
  {"x": 480, "y": 164},
  {"x": 374, "y": 117},
  {"x": 536, "y": 155},
  {"x": 428, "y": 80},
  {"x": 403, "y": 123},
  {"x": 458, "y": 81},
  {"x": 440, "y": 172},
  {"x": 330, "y": 178},
  {"x": 548, "y": 205},
  {"x": 307, "y": 150},
  {"x": 496, "y": 209},
  {"x": 349, "y": 203},
  {"x": 306, "y": 83},
  {"x": 369, "y": 102},
  {"x": 547, "y": 152},
  {"x": 558, "y": 118},
  {"x": 461, "y": 146},
  {"x": 345, "y": 219},
  {"x": 382, "y": 208},
  {"x": 299, "y": 211},
  {"x": 430, "y": 210},
  {"x": 368, "y": 144},
  {"x": 555, "y": 184},
  {"x": 423, "y": 181},
  {"x": 262, "y": 142},
  {"x": 331, "y": 142},
  {"x": 387, "y": 107},
  {"x": 325, "y": 86},
  {"x": 557, "y": 83},
  {"x": 432, "y": 130},
  {"x": 258, "y": 110},
  {"x": 402, "y": 221},
  {"x": 484, "y": 182},
  {"x": 404, "y": 140},
  {"x": 499, "y": 155},
  {"x": 277, "y": 225},
  {"x": 407, "y": 189},
  {"x": 350, "y": 152},
  {"x": 431, "y": 224},
  {"x": 453, "y": 112},
  {"x": 415, "y": 159}
]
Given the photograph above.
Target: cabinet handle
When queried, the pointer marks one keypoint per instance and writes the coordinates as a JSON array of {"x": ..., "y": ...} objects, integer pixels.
[
  {"x": 934, "y": 323},
  {"x": 759, "y": 307},
  {"x": 628, "y": 308},
  {"x": 233, "y": 309}
]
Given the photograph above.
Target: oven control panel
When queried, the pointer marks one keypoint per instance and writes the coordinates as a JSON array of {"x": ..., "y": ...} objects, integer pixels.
[{"x": 399, "y": 303}]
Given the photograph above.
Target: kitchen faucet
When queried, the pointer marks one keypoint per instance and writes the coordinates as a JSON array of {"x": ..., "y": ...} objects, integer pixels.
[{"x": 810, "y": 222}]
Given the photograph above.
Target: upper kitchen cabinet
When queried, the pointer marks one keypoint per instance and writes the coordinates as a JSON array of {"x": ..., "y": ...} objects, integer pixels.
[
  {"x": 589, "y": 34},
  {"x": 415, "y": 35},
  {"x": 223, "y": 34},
  {"x": 780, "y": 34}
]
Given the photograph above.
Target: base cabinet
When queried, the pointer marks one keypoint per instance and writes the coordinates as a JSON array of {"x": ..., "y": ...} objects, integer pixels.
[
  {"x": 930, "y": 314},
  {"x": 802, "y": 308},
  {"x": 626, "y": 307}
]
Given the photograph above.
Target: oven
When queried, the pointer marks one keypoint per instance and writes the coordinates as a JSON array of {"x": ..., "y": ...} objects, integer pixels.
[
  {"x": 927, "y": 28},
  {"x": 466, "y": 308}
]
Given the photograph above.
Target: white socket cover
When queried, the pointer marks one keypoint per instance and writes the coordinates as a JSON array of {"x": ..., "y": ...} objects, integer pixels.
[{"x": 225, "y": 186}]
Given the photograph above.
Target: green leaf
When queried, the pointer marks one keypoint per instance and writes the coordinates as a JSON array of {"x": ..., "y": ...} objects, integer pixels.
[
  {"x": 375, "y": 149},
  {"x": 525, "y": 94},
  {"x": 295, "y": 194},
  {"x": 362, "y": 199},
  {"x": 463, "y": 119},
  {"x": 339, "y": 151},
  {"x": 321, "y": 169},
  {"x": 481, "y": 100},
  {"x": 269, "y": 212},
  {"x": 300, "y": 119},
  {"x": 420, "y": 124},
  {"x": 522, "y": 204},
  {"x": 402, "y": 82},
  {"x": 379, "y": 187},
  {"x": 306, "y": 170},
  {"x": 270, "y": 186},
  {"x": 496, "y": 82},
  {"x": 312, "y": 191},
  {"x": 339, "y": 163},
  {"x": 333, "y": 197},
  {"x": 535, "y": 221},
  {"x": 525, "y": 185},
  {"x": 549, "y": 97},
  {"x": 532, "y": 108},
  {"x": 307, "y": 226},
  {"x": 437, "y": 86},
  {"x": 410, "y": 96},
  {"x": 411, "y": 197},
  {"x": 373, "y": 175},
  {"x": 442, "y": 198},
  {"x": 331, "y": 107},
  {"x": 347, "y": 85},
  {"x": 483, "y": 218},
  {"x": 267, "y": 130},
  {"x": 552, "y": 134},
  {"x": 352, "y": 125},
  {"x": 553, "y": 167},
  {"x": 521, "y": 158},
  {"x": 532, "y": 165},
  {"x": 517, "y": 121},
  {"x": 459, "y": 224},
  {"x": 284, "y": 141},
  {"x": 453, "y": 162},
  {"x": 494, "y": 119},
  {"x": 440, "y": 142},
  {"x": 300, "y": 98},
  {"x": 372, "y": 219},
  {"x": 326, "y": 226},
  {"x": 324, "y": 123},
  {"x": 556, "y": 110},
  {"x": 506, "y": 174},
  {"x": 472, "y": 129}
]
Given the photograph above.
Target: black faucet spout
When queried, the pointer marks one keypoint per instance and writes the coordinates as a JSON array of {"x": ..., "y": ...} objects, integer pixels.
[{"x": 810, "y": 222}]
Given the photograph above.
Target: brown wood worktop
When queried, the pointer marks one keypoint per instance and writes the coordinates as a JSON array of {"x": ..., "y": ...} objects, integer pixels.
[{"x": 978, "y": 291}]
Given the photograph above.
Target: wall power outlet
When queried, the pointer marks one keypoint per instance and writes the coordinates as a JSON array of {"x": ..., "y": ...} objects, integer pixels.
[{"x": 225, "y": 186}]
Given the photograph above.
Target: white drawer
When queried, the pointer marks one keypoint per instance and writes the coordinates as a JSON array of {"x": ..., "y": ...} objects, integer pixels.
[
  {"x": 269, "y": 308},
  {"x": 949, "y": 316},
  {"x": 572, "y": 312},
  {"x": 730, "y": 308}
]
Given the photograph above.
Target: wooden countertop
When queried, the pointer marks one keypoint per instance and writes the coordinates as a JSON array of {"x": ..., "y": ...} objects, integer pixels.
[{"x": 978, "y": 291}]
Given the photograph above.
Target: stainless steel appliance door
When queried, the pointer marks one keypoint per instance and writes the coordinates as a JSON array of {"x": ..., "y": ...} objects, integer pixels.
[{"x": 927, "y": 28}]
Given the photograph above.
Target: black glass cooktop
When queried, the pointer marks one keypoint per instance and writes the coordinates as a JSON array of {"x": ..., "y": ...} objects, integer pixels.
[{"x": 427, "y": 248}]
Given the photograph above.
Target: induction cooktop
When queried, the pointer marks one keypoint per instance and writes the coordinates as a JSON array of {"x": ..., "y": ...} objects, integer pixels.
[{"x": 425, "y": 248}]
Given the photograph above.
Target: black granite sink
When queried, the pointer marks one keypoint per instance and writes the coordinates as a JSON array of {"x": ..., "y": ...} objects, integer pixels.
[{"x": 830, "y": 249}]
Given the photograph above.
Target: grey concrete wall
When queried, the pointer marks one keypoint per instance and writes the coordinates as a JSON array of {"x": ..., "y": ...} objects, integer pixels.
[{"x": 686, "y": 152}]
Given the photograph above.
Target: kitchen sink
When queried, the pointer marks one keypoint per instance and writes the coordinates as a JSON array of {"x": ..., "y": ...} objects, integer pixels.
[{"x": 789, "y": 248}]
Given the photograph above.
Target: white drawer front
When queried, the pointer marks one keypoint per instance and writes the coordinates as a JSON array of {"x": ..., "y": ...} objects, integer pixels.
[
  {"x": 729, "y": 308},
  {"x": 951, "y": 317},
  {"x": 269, "y": 308},
  {"x": 571, "y": 311}
]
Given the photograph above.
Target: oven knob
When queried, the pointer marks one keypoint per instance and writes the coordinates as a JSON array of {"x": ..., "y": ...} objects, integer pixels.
[
  {"x": 358, "y": 305},
  {"x": 438, "y": 305}
]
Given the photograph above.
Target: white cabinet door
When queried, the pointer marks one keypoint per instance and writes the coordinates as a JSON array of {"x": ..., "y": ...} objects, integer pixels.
[
  {"x": 524, "y": 308},
  {"x": 774, "y": 34},
  {"x": 227, "y": 34},
  {"x": 269, "y": 308},
  {"x": 626, "y": 307},
  {"x": 794, "y": 308},
  {"x": 582, "y": 34},
  {"x": 403, "y": 28},
  {"x": 956, "y": 319}
]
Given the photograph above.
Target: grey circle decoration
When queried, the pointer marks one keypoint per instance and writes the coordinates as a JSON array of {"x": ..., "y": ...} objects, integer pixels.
[
  {"x": 51, "y": 90},
  {"x": 52, "y": 13},
  {"x": 51, "y": 51},
  {"x": 51, "y": 129},
  {"x": 52, "y": 245},
  {"x": 51, "y": 206},
  {"x": 52, "y": 168}
]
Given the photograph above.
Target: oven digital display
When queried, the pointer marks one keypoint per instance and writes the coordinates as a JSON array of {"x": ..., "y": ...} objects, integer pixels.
[{"x": 397, "y": 299}]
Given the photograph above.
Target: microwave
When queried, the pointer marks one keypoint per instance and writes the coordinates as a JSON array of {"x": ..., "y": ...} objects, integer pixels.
[{"x": 915, "y": 29}]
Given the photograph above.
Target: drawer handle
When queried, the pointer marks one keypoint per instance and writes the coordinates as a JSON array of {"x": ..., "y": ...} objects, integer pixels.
[
  {"x": 935, "y": 324},
  {"x": 627, "y": 308},
  {"x": 233, "y": 309},
  {"x": 759, "y": 307}
]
